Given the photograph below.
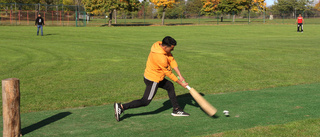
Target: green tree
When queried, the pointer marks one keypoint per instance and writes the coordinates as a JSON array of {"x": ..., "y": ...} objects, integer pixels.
[
  {"x": 177, "y": 11},
  {"x": 163, "y": 5},
  {"x": 253, "y": 5},
  {"x": 149, "y": 10},
  {"x": 230, "y": 7},
  {"x": 109, "y": 6},
  {"x": 194, "y": 6},
  {"x": 291, "y": 6},
  {"x": 68, "y": 2},
  {"x": 49, "y": 2}
]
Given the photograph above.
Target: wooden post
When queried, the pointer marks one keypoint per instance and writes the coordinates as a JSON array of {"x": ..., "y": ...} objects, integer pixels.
[{"x": 11, "y": 107}]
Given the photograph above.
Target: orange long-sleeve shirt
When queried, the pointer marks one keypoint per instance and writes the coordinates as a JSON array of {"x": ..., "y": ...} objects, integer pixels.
[{"x": 159, "y": 64}]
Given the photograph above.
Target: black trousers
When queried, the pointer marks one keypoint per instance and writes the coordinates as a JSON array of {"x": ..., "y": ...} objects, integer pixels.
[
  {"x": 300, "y": 25},
  {"x": 150, "y": 92}
]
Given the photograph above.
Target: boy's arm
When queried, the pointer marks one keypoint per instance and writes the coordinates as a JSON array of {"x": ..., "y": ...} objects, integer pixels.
[
  {"x": 181, "y": 79},
  {"x": 174, "y": 65},
  {"x": 176, "y": 69}
]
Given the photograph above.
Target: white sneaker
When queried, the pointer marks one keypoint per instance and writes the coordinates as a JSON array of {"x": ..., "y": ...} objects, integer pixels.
[
  {"x": 179, "y": 113},
  {"x": 117, "y": 111}
]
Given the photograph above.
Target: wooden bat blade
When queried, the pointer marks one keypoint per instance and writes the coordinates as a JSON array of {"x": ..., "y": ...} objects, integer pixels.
[{"x": 204, "y": 104}]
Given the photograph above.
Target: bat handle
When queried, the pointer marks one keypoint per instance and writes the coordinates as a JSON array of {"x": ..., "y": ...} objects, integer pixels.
[{"x": 188, "y": 87}]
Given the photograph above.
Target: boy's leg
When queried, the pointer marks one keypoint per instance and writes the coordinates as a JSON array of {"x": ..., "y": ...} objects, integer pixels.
[
  {"x": 298, "y": 27},
  {"x": 41, "y": 30},
  {"x": 301, "y": 27},
  {"x": 37, "y": 29},
  {"x": 168, "y": 85},
  {"x": 150, "y": 91}
]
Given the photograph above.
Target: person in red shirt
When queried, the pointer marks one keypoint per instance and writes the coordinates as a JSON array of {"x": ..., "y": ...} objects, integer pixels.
[
  {"x": 300, "y": 22},
  {"x": 160, "y": 64}
]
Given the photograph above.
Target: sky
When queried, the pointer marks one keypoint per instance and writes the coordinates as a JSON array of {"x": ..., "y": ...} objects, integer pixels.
[{"x": 269, "y": 2}]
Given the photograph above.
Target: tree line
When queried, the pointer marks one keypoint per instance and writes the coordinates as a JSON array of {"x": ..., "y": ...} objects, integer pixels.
[
  {"x": 175, "y": 8},
  {"x": 47, "y": 2},
  {"x": 294, "y": 7},
  {"x": 204, "y": 7}
]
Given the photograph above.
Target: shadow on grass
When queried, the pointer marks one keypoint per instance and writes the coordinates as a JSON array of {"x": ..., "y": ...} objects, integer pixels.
[
  {"x": 176, "y": 24},
  {"x": 45, "y": 35},
  {"x": 48, "y": 34},
  {"x": 45, "y": 122},
  {"x": 146, "y": 24},
  {"x": 183, "y": 100},
  {"x": 243, "y": 21},
  {"x": 128, "y": 24}
]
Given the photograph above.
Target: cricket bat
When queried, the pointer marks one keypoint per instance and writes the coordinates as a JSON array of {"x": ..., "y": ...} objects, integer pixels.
[{"x": 204, "y": 104}]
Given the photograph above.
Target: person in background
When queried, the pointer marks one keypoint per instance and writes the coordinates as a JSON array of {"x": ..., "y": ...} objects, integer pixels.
[
  {"x": 300, "y": 22},
  {"x": 39, "y": 24}
]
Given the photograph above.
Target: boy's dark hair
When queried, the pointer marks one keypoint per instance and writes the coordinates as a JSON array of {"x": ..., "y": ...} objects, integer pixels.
[{"x": 168, "y": 41}]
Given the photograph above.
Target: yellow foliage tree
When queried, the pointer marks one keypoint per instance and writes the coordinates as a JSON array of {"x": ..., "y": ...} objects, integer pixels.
[
  {"x": 68, "y": 2},
  {"x": 253, "y": 5},
  {"x": 164, "y": 4},
  {"x": 317, "y": 6},
  {"x": 209, "y": 6}
]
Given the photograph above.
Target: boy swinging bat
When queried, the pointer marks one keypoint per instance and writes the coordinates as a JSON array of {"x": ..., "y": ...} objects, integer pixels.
[{"x": 159, "y": 64}]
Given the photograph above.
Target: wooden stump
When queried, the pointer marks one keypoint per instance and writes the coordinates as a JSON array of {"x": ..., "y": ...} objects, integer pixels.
[{"x": 11, "y": 107}]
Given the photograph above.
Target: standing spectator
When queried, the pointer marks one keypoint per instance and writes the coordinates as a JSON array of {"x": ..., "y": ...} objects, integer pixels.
[
  {"x": 39, "y": 24},
  {"x": 300, "y": 22}
]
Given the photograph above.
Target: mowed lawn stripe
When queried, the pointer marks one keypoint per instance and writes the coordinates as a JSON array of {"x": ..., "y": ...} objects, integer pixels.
[{"x": 248, "y": 109}]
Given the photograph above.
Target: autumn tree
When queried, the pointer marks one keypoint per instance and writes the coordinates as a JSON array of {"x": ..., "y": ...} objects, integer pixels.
[
  {"x": 21, "y": 1},
  {"x": 209, "y": 6},
  {"x": 68, "y": 2},
  {"x": 109, "y": 6},
  {"x": 317, "y": 6},
  {"x": 253, "y": 5},
  {"x": 163, "y": 4}
]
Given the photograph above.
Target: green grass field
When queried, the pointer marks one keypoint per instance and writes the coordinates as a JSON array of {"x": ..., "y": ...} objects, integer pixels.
[
  {"x": 200, "y": 21},
  {"x": 70, "y": 77}
]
